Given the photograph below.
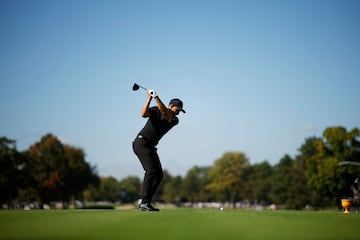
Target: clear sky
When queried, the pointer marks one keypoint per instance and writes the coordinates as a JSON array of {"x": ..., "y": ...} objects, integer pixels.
[{"x": 255, "y": 76}]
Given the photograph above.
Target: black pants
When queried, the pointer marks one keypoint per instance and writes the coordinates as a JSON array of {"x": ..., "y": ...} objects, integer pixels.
[{"x": 150, "y": 161}]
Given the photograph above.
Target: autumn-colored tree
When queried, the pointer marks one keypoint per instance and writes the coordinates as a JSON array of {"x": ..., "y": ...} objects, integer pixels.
[{"x": 58, "y": 171}]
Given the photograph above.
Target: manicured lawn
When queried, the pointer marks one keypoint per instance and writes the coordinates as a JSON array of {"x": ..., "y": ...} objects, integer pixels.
[{"x": 178, "y": 224}]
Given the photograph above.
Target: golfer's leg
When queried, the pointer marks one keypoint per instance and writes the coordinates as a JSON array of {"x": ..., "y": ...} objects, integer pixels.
[
  {"x": 156, "y": 175},
  {"x": 151, "y": 164},
  {"x": 153, "y": 175}
]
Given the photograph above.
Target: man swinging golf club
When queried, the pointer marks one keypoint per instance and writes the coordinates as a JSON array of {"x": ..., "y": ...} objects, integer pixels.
[{"x": 161, "y": 119}]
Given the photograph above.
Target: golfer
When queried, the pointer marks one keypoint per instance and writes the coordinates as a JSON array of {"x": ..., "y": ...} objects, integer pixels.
[{"x": 160, "y": 120}]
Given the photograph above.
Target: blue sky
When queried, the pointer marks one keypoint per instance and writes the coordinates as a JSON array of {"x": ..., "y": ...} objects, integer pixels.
[{"x": 255, "y": 76}]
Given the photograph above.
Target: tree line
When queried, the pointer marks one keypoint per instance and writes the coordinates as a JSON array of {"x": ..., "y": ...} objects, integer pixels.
[
  {"x": 51, "y": 171},
  {"x": 48, "y": 171}
]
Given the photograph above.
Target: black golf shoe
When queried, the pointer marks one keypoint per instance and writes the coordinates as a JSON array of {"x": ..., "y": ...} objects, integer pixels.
[{"x": 147, "y": 207}]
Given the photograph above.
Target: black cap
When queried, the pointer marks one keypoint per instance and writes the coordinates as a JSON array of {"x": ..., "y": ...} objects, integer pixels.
[{"x": 178, "y": 103}]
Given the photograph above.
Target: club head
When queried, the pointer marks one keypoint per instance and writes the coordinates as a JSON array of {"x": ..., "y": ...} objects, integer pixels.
[{"x": 135, "y": 87}]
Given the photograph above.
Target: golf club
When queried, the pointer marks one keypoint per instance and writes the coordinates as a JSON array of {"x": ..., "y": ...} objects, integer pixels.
[{"x": 137, "y": 86}]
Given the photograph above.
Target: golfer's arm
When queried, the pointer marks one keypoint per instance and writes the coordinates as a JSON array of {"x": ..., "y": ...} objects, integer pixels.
[
  {"x": 145, "y": 111},
  {"x": 163, "y": 109}
]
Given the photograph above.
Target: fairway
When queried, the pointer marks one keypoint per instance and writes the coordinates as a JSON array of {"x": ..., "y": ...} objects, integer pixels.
[{"x": 178, "y": 224}]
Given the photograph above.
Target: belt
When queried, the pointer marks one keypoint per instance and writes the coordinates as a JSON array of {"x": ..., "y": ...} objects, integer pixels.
[
  {"x": 145, "y": 139},
  {"x": 141, "y": 137}
]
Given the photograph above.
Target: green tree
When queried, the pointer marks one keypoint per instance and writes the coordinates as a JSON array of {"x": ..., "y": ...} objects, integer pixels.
[
  {"x": 130, "y": 186},
  {"x": 289, "y": 183},
  {"x": 172, "y": 190},
  {"x": 194, "y": 185},
  {"x": 300, "y": 195},
  {"x": 258, "y": 183},
  {"x": 281, "y": 181},
  {"x": 228, "y": 176},
  {"x": 78, "y": 173},
  {"x": 325, "y": 177},
  {"x": 342, "y": 144},
  {"x": 307, "y": 152},
  {"x": 11, "y": 170},
  {"x": 108, "y": 190}
]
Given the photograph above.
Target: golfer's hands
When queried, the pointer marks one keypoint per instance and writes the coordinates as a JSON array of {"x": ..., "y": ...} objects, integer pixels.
[{"x": 151, "y": 92}]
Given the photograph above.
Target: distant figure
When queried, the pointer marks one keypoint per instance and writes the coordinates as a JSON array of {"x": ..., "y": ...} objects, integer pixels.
[
  {"x": 123, "y": 195},
  {"x": 356, "y": 191}
]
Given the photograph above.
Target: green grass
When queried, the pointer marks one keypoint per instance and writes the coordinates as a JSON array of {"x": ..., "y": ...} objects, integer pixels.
[{"x": 178, "y": 224}]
